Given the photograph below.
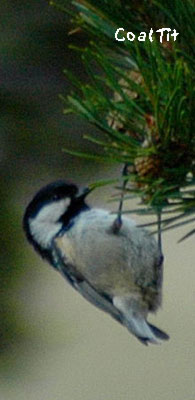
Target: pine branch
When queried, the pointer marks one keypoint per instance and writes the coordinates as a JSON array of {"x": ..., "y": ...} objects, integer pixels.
[{"x": 141, "y": 98}]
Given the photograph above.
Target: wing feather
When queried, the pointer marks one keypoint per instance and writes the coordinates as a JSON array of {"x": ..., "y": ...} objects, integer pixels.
[{"x": 78, "y": 282}]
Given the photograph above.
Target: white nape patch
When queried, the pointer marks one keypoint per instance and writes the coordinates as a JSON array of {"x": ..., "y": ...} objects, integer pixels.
[{"x": 44, "y": 226}]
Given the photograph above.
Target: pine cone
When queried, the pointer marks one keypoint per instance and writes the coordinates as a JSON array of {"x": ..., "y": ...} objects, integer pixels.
[{"x": 147, "y": 166}]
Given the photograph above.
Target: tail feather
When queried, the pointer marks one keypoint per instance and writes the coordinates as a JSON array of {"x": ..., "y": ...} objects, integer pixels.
[
  {"x": 134, "y": 318},
  {"x": 158, "y": 332},
  {"x": 145, "y": 332}
]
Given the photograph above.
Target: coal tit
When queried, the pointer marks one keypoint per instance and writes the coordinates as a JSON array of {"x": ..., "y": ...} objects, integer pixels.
[{"x": 118, "y": 272}]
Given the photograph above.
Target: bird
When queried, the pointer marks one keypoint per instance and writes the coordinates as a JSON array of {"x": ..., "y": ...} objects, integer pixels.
[{"x": 118, "y": 271}]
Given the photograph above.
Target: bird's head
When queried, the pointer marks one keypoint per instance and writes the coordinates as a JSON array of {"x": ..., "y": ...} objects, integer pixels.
[{"x": 52, "y": 209}]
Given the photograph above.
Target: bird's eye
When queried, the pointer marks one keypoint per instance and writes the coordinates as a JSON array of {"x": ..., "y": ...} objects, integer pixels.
[{"x": 55, "y": 197}]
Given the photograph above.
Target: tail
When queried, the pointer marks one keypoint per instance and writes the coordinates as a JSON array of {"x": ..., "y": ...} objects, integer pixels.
[
  {"x": 145, "y": 332},
  {"x": 134, "y": 315}
]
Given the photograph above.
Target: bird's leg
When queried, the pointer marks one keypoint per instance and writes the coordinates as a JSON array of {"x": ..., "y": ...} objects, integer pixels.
[
  {"x": 161, "y": 257},
  {"x": 118, "y": 221}
]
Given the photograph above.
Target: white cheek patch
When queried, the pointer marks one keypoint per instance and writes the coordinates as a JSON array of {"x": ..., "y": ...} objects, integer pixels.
[
  {"x": 44, "y": 226},
  {"x": 53, "y": 211}
]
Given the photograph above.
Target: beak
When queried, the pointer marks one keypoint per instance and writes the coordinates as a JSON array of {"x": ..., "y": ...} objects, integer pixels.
[{"x": 83, "y": 192}]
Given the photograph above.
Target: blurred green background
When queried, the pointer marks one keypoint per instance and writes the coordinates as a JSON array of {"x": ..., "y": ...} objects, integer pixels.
[{"x": 54, "y": 345}]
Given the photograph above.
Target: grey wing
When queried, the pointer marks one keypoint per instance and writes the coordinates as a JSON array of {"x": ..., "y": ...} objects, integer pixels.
[
  {"x": 99, "y": 300},
  {"x": 78, "y": 282}
]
